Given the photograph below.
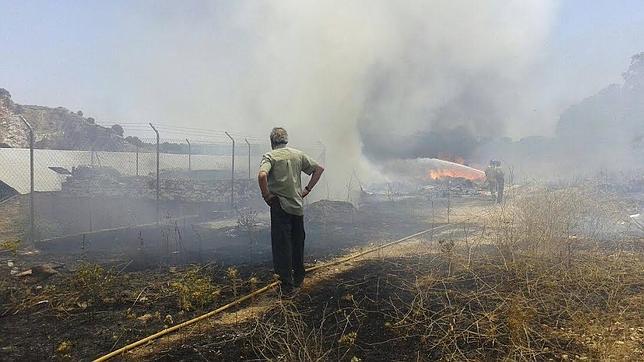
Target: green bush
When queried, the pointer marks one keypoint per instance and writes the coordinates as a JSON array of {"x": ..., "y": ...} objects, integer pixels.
[{"x": 195, "y": 290}]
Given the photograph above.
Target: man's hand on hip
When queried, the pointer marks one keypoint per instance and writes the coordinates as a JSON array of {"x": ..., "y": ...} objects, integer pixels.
[
  {"x": 304, "y": 193},
  {"x": 269, "y": 198}
]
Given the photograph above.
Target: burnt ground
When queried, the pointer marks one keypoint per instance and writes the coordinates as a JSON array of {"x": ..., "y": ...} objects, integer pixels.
[
  {"x": 102, "y": 300},
  {"x": 426, "y": 299},
  {"x": 457, "y": 296},
  {"x": 425, "y": 307}
]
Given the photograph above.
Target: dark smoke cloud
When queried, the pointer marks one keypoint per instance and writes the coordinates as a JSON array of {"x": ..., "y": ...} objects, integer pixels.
[
  {"x": 449, "y": 144},
  {"x": 452, "y": 131}
]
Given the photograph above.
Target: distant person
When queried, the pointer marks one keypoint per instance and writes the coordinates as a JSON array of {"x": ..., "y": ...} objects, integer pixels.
[
  {"x": 281, "y": 186},
  {"x": 500, "y": 182},
  {"x": 490, "y": 178}
]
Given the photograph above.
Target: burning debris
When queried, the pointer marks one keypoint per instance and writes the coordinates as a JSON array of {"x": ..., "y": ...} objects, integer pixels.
[
  {"x": 426, "y": 177},
  {"x": 426, "y": 170},
  {"x": 447, "y": 169}
]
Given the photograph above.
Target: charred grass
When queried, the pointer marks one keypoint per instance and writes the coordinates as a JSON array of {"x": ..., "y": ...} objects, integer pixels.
[
  {"x": 94, "y": 308},
  {"x": 417, "y": 308},
  {"x": 551, "y": 275},
  {"x": 96, "y": 305}
]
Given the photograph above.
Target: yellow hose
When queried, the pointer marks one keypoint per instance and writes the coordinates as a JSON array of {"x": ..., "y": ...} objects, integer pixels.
[
  {"x": 184, "y": 324},
  {"x": 350, "y": 257},
  {"x": 248, "y": 296}
]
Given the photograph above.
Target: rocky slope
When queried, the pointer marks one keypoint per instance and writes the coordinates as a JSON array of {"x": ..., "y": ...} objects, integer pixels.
[{"x": 55, "y": 128}]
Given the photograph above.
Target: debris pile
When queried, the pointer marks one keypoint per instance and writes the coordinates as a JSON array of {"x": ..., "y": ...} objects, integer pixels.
[
  {"x": 106, "y": 181},
  {"x": 327, "y": 211},
  {"x": 461, "y": 186}
]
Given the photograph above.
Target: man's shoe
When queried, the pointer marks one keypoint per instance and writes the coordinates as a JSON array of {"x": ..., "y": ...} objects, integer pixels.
[{"x": 288, "y": 293}]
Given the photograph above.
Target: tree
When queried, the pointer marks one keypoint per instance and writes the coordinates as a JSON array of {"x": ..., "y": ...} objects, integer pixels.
[
  {"x": 117, "y": 129},
  {"x": 91, "y": 120},
  {"x": 135, "y": 141},
  {"x": 80, "y": 113},
  {"x": 634, "y": 76}
]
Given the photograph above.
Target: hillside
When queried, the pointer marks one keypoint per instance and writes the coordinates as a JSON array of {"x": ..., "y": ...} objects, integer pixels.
[
  {"x": 56, "y": 128},
  {"x": 615, "y": 115},
  {"x": 602, "y": 132}
]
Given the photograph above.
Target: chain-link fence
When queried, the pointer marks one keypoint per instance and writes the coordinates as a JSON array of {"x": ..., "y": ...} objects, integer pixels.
[{"x": 77, "y": 193}]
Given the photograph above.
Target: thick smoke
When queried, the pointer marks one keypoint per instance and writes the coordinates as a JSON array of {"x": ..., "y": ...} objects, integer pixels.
[
  {"x": 369, "y": 79},
  {"x": 601, "y": 134}
]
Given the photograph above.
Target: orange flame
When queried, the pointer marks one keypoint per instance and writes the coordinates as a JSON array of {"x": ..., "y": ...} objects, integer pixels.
[
  {"x": 448, "y": 169},
  {"x": 453, "y": 173}
]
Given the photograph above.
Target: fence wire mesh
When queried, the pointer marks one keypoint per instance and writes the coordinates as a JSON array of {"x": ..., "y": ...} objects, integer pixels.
[{"x": 87, "y": 191}]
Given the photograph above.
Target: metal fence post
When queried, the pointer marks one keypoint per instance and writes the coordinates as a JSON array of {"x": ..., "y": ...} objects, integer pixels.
[
  {"x": 246, "y": 140},
  {"x": 232, "y": 182},
  {"x": 137, "y": 160},
  {"x": 157, "y": 133},
  {"x": 449, "y": 196},
  {"x": 189, "y": 155},
  {"x": 32, "y": 205}
]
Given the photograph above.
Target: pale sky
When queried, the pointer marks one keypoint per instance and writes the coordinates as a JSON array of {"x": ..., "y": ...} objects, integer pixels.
[{"x": 83, "y": 54}]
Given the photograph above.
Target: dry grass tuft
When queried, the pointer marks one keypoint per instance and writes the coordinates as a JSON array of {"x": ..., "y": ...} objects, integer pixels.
[
  {"x": 535, "y": 309},
  {"x": 543, "y": 276},
  {"x": 283, "y": 334},
  {"x": 195, "y": 290}
]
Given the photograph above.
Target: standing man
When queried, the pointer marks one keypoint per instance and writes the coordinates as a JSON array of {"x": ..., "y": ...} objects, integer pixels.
[{"x": 281, "y": 186}]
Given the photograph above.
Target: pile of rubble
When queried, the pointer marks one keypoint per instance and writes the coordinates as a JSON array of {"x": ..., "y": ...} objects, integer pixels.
[
  {"x": 108, "y": 182},
  {"x": 205, "y": 191},
  {"x": 327, "y": 211},
  {"x": 105, "y": 181},
  {"x": 460, "y": 186}
]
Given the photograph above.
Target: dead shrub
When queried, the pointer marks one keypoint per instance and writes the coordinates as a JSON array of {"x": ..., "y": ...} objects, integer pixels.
[
  {"x": 247, "y": 222},
  {"x": 232, "y": 274},
  {"x": 537, "y": 309},
  {"x": 552, "y": 222},
  {"x": 283, "y": 334}
]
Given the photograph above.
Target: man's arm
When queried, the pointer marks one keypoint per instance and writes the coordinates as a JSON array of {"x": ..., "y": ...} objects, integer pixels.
[
  {"x": 262, "y": 179},
  {"x": 315, "y": 177}
]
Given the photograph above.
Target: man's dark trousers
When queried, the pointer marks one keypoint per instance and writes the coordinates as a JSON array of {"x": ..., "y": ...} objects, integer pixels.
[
  {"x": 500, "y": 184},
  {"x": 287, "y": 240}
]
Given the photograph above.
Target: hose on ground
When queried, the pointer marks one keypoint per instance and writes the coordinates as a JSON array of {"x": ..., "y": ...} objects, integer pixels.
[{"x": 255, "y": 293}]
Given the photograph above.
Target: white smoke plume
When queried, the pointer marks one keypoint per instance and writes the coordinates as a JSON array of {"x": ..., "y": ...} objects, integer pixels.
[{"x": 335, "y": 71}]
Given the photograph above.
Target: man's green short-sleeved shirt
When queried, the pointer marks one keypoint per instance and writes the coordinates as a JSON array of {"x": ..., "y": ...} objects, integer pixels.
[{"x": 284, "y": 166}]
